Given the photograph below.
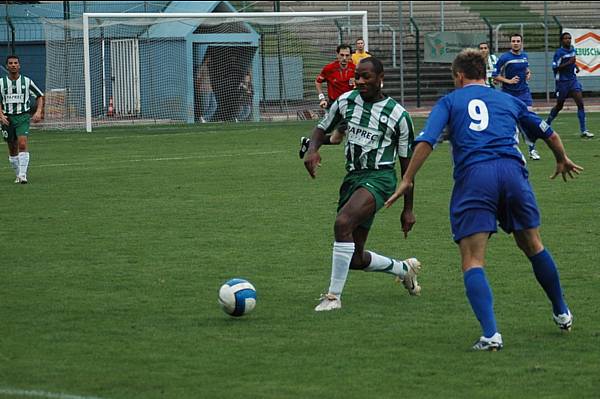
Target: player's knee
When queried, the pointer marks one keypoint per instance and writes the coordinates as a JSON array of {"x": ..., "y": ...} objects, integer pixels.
[
  {"x": 343, "y": 226},
  {"x": 530, "y": 249},
  {"x": 530, "y": 244}
]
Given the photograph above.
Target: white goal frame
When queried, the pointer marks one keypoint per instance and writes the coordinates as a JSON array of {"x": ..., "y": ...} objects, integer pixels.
[{"x": 86, "y": 35}]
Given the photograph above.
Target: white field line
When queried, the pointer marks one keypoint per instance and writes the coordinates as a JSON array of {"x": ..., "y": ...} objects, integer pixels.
[
  {"x": 36, "y": 139},
  {"x": 42, "y": 394},
  {"x": 162, "y": 159}
]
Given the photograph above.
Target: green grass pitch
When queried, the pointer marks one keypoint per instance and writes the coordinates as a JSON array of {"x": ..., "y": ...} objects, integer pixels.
[{"x": 113, "y": 254}]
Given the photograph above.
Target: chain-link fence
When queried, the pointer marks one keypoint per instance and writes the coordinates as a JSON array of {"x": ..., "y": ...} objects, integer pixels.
[{"x": 398, "y": 34}]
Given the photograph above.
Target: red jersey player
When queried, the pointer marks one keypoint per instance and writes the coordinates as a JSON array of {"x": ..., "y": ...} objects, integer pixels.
[{"x": 339, "y": 76}]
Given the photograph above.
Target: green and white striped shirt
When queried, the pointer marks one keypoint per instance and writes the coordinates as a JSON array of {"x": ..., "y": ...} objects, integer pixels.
[
  {"x": 16, "y": 94},
  {"x": 377, "y": 132}
]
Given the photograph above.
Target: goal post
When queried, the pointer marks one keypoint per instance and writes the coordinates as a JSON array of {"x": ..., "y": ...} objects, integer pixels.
[{"x": 275, "y": 57}]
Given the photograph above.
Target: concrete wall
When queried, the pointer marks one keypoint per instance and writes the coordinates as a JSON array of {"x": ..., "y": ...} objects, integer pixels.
[{"x": 32, "y": 56}]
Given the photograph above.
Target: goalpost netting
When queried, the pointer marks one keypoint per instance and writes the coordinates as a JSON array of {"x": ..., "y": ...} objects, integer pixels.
[{"x": 111, "y": 69}]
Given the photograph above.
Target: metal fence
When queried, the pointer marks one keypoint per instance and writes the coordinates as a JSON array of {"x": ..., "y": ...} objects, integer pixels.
[{"x": 396, "y": 34}]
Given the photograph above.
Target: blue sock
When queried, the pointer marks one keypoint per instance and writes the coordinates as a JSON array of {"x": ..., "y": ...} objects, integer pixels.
[
  {"x": 547, "y": 275},
  {"x": 581, "y": 117},
  {"x": 553, "y": 114},
  {"x": 480, "y": 296}
]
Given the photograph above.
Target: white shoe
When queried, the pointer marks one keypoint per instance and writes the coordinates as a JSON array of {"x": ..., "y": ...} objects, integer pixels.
[
  {"x": 564, "y": 320},
  {"x": 17, "y": 180},
  {"x": 587, "y": 135},
  {"x": 410, "y": 278},
  {"x": 489, "y": 344},
  {"x": 329, "y": 302},
  {"x": 22, "y": 179},
  {"x": 533, "y": 154}
]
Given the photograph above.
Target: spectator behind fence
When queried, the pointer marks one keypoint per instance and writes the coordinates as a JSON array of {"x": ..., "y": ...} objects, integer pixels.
[
  {"x": 360, "y": 51},
  {"x": 246, "y": 93},
  {"x": 204, "y": 92}
]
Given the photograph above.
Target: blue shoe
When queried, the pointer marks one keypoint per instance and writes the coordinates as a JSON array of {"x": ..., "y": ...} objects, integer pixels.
[
  {"x": 564, "y": 320},
  {"x": 492, "y": 344}
]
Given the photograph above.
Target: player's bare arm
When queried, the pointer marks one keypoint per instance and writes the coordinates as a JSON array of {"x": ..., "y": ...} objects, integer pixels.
[
  {"x": 422, "y": 151},
  {"x": 564, "y": 166},
  {"x": 407, "y": 218},
  {"x": 566, "y": 64},
  {"x": 312, "y": 159},
  {"x": 39, "y": 113},
  {"x": 502, "y": 79},
  {"x": 3, "y": 118},
  {"x": 322, "y": 99}
]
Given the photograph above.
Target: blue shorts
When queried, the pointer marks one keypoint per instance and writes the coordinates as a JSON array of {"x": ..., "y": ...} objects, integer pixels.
[
  {"x": 490, "y": 191},
  {"x": 524, "y": 96},
  {"x": 564, "y": 88}
]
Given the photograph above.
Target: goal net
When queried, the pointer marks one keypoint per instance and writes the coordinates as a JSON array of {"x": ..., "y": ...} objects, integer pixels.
[{"x": 110, "y": 69}]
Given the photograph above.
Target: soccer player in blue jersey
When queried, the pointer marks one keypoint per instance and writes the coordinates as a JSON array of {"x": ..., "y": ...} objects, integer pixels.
[
  {"x": 567, "y": 85},
  {"x": 490, "y": 184},
  {"x": 512, "y": 70}
]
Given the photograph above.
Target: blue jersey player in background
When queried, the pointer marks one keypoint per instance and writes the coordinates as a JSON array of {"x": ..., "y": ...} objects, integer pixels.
[
  {"x": 490, "y": 184},
  {"x": 512, "y": 70},
  {"x": 567, "y": 85}
]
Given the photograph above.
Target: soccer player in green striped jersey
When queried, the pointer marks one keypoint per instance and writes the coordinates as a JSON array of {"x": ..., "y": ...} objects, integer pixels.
[
  {"x": 16, "y": 91},
  {"x": 379, "y": 131}
]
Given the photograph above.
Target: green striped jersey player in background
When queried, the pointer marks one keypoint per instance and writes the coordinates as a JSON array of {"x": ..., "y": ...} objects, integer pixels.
[
  {"x": 16, "y": 91},
  {"x": 379, "y": 132}
]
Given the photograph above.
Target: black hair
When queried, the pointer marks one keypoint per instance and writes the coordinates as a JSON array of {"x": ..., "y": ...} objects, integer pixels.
[
  {"x": 377, "y": 65},
  {"x": 11, "y": 56},
  {"x": 562, "y": 35},
  {"x": 341, "y": 46},
  {"x": 516, "y": 34}
]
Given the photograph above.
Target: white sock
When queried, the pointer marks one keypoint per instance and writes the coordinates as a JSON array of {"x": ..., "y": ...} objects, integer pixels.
[
  {"x": 14, "y": 163},
  {"x": 386, "y": 265},
  {"x": 23, "y": 163},
  {"x": 342, "y": 255}
]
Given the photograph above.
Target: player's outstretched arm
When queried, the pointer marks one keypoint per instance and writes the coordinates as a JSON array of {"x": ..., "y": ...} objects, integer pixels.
[
  {"x": 564, "y": 166},
  {"x": 3, "y": 118},
  {"x": 312, "y": 159},
  {"x": 501, "y": 79},
  {"x": 566, "y": 64},
  {"x": 422, "y": 151}
]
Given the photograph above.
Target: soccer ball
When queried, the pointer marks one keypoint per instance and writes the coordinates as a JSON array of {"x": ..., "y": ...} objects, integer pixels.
[{"x": 237, "y": 297}]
